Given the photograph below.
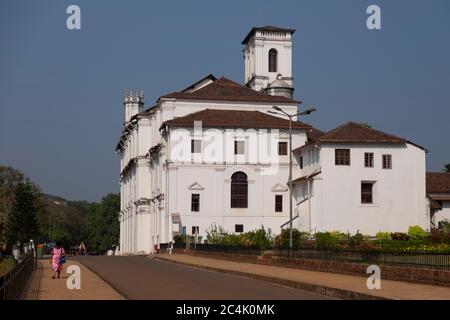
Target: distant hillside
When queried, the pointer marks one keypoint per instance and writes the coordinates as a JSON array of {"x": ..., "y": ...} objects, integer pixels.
[
  {"x": 62, "y": 218},
  {"x": 69, "y": 222},
  {"x": 58, "y": 218}
]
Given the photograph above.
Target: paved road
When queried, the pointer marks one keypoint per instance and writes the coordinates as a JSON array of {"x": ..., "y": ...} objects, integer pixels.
[{"x": 145, "y": 278}]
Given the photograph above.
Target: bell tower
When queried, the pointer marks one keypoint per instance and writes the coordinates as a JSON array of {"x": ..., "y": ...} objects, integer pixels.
[{"x": 268, "y": 57}]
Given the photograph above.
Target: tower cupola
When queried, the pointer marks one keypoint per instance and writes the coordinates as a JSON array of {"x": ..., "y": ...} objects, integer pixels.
[
  {"x": 133, "y": 103},
  {"x": 280, "y": 88},
  {"x": 268, "y": 56}
]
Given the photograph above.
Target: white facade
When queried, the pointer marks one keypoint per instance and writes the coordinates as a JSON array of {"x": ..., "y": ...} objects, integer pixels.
[
  {"x": 156, "y": 190},
  {"x": 160, "y": 174},
  {"x": 335, "y": 191},
  {"x": 442, "y": 215},
  {"x": 210, "y": 178}
]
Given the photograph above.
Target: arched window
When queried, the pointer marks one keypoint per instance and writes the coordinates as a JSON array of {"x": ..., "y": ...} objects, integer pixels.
[
  {"x": 239, "y": 190},
  {"x": 273, "y": 60}
]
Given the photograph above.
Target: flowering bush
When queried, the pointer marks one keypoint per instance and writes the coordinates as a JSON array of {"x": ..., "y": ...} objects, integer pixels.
[{"x": 424, "y": 249}]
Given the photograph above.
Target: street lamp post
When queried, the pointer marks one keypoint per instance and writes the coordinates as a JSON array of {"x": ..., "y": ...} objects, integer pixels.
[{"x": 290, "y": 116}]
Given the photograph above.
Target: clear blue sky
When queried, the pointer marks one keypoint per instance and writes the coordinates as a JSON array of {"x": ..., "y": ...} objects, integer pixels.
[{"x": 61, "y": 91}]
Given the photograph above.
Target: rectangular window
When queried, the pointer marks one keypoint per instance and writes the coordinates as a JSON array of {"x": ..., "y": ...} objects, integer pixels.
[
  {"x": 366, "y": 192},
  {"x": 195, "y": 202},
  {"x": 368, "y": 160},
  {"x": 301, "y": 162},
  {"x": 342, "y": 157},
  {"x": 195, "y": 230},
  {"x": 282, "y": 148},
  {"x": 278, "y": 203},
  {"x": 196, "y": 146},
  {"x": 239, "y": 147},
  {"x": 387, "y": 161},
  {"x": 238, "y": 228}
]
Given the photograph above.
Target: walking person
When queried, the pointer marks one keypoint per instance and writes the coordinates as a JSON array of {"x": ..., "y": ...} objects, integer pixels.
[
  {"x": 57, "y": 260},
  {"x": 82, "y": 249}
]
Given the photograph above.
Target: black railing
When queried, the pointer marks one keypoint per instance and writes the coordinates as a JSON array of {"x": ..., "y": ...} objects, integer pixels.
[
  {"x": 12, "y": 284},
  {"x": 398, "y": 258},
  {"x": 248, "y": 250}
]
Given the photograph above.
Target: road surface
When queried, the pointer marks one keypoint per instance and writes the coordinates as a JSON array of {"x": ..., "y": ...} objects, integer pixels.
[{"x": 142, "y": 278}]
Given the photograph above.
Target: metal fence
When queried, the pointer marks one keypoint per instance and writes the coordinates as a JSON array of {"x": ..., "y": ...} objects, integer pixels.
[
  {"x": 398, "y": 258},
  {"x": 12, "y": 284},
  {"x": 247, "y": 250},
  {"x": 426, "y": 260}
]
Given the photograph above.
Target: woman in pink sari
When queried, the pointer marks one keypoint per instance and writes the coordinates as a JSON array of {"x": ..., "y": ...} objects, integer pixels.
[{"x": 57, "y": 260}]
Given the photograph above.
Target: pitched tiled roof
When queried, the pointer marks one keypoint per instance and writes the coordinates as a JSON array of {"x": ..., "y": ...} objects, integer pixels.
[
  {"x": 234, "y": 119},
  {"x": 438, "y": 182},
  {"x": 355, "y": 132},
  {"x": 351, "y": 133},
  {"x": 224, "y": 89},
  {"x": 265, "y": 28}
]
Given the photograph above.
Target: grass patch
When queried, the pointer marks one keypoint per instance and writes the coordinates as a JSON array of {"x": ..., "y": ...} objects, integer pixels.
[{"x": 6, "y": 266}]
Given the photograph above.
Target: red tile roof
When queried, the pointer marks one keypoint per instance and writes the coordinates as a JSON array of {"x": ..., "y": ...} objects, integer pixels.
[
  {"x": 353, "y": 133},
  {"x": 235, "y": 119},
  {"x": 224, "y": 89},
  {"x": 265, "y": 28},
  {"x": 438, "y": 182}
]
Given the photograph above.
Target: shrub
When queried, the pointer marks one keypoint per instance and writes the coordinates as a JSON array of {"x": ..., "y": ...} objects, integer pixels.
[
  {"x": 367, "y": 246},
  {"x": 328, "y": 240},
  {"x": 260, "y": 238},
  {"x": 356, "y": 239},
  {"x": 299, "y": 238},
  {"x": 178, "y": 239},
  {"x": 399, "y": 236},
  {"x": 439, "y": 237},
  {"x": 383, "y": 235},
  {"x": 417, "y": 233},
  {"x": 424, "y": 249},
  {"x": 215, "y": 235}
]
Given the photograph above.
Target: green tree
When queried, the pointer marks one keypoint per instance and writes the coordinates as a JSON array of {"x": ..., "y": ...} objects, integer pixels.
[
  {"x": 447, "y": 168},
  {"x": 101, "y": 226},
  {"x": 22, "y": 223},
  {"x": 9, "y": 178}
]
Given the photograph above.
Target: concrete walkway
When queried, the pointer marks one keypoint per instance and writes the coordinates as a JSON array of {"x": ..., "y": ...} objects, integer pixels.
[
  {"x": 42, "y": 287},
  {"x": 332, "y": 284}
]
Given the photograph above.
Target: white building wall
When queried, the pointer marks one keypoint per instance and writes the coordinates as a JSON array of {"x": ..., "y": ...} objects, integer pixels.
[
  {"x": 177, "y": 108},
  {"x": 399, "y": 193},
  {"x": 211, "y": 178},
  {"x": 443, "y": 214},
  {"x": 213, "y": 184}
]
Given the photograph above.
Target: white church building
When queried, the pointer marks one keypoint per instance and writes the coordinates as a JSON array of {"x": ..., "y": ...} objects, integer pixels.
[{"x": 213, "y": 154}]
